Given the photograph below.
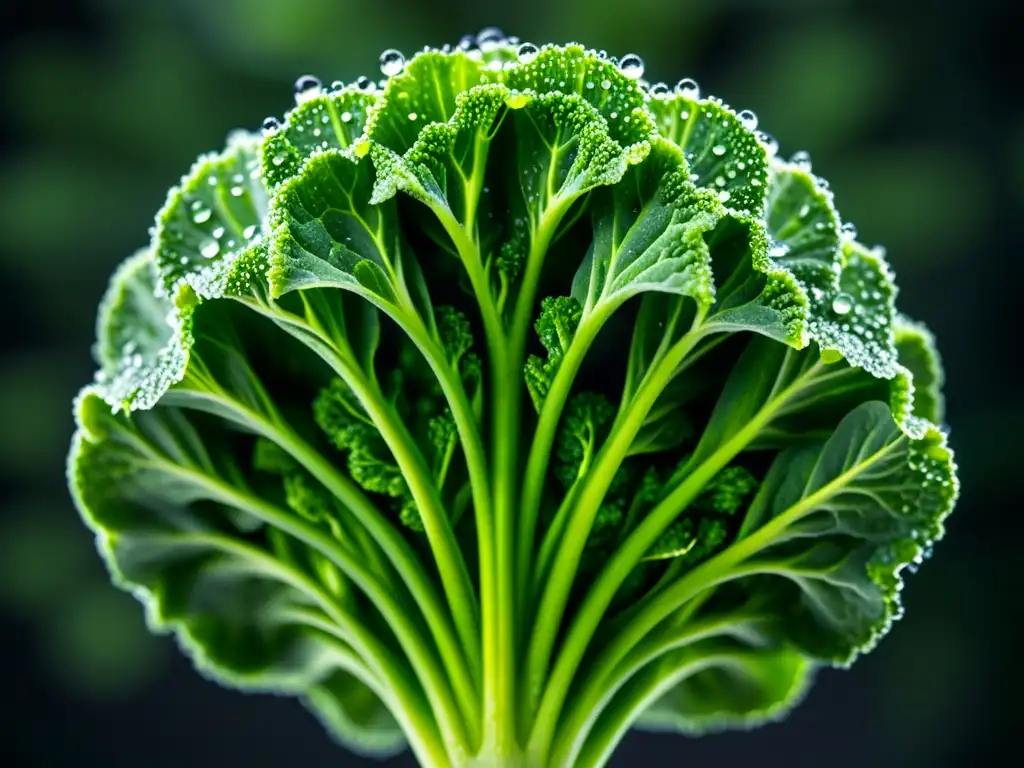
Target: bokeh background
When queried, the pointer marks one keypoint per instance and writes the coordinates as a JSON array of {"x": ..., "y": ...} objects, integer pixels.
[{"x": 912, "y": 109}]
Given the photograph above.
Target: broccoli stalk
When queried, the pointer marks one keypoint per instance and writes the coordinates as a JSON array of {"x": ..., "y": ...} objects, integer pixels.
[{"x": 309, "y": 451}]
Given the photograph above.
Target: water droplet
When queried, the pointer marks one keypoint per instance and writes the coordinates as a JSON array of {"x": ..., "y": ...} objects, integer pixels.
[
  {"x": 237, "y": 191},
  {"x": 209, "y": 248},
  {"x": 842, "y": 304},
  {"x": 218, "y": 233},
  {"x": 527, "y": 52},
  {"x": 467, "y": 42},
  {"x": 718, "y": 150},
  {"x": 771, "y": 146},
  {"x": 392, "y": 62},
  {"x": 270, "y": 124},
  {"x": 688, "y": 88},
  {"x": 249, "y": 231},
  {"x": 632, "y": 66},
  {"x": 307, "y": 87},
  {"x": 346, "y": 117},
  {"x": 278, "y": 159},
  {"x": 365, "y": 84},
  {"x": 659, "y": 90},
  {"x": 606, "y": 84},
  {"x": 778, "y": 250},
  {"x": 801, "y": 160},
  {"x": 804, "y": 210},
  {"x": 202, "y": 215},
  {"x": 748, "y": 119},
  {"x": 724, "y": 196},
  {"x": 490, "y": 39},
  {"x": 848, "y": 230},
  {"x": 337, "y": 86}
]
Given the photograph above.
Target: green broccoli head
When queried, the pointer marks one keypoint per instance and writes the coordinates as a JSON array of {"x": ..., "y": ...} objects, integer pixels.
[{"x": 310, "y": 450}]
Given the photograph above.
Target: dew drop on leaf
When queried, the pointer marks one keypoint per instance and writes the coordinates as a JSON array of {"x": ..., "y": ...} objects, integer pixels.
[
  {"x": 201, "y": 215},
  {"x": 237, "y": 191},
  {"x": 842, "y": 304},
  {"x": 270, "y": 124},
  {"x": 724, "y": 196},
  {"x": 307, "y": 87},
  {"x": 606, "y": 84},
  {"x": 527, "y": 52},
  {"x": 392, "y": 62},
  {"x": 218, "y": 233},
  {"x": 632, "y": 66},
  {"x": 490, "y": 39},
  {"x": 209, "y": 248},
  {"x": 801, "y": 160},
  {"x": 688, "y": 88},
  {"x": 718, "y": 150},
  {"x": 249, "y": 231},
  {"x": 365, "y": 84},
  {"x": 748, "y": 119},
  {"x": 659, "y": 90},
  {"x": 848, "y": 230},
  {"x": 771, "y": 146}
]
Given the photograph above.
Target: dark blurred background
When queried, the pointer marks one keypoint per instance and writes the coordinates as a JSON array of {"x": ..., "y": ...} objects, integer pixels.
[{"x": 913, "y": 111}]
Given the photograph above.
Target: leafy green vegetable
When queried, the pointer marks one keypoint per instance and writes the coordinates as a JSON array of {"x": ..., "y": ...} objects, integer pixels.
[{"x": 308, "y": 449}]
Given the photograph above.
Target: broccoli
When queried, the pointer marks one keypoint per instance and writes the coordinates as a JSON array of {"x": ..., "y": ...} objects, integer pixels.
[{"x": 309, "y": 451}]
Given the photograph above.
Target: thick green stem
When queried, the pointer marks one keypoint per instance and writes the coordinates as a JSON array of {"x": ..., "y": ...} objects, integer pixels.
[
  {"x": 449, "y": 558},
  {"x": 556, "y": 594},
  {"x": 417, "y": 647},
  {"x": 632, "y": 550},
  {"x": 544, "y": 437},
  {"x": 395, "y": 682}
]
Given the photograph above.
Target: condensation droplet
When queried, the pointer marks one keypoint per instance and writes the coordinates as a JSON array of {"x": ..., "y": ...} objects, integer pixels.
[
  {"x": 209, "y": 248},
  {"x": 778, "y": 250},
  {"x": 632, "y": 66},
  {"x": 307, "y": 87},
  {"x": 346, "y": 117},
  {"x": 660, "y": 90},
  {"x": 237, "y": 191},
  {"x": 724, "y": 195},
  {"x": 249, "y": 231},
  {"x": 278, "y": 160},
  {"x": 365, "y": 84},
  {"x": 413, "y": 115},
  {"x": 392, "y": 62},
  {"x": 718, "y": 150},
  {"x": 748, "y": 119},
  {"x": 801, "y": 160},
  {"x": 202, "y": 215},
  {"x": 842, "y": 304},
  {"x": 337, "y": 86},
  {"x": 270, "y": 124},
  {"x": 527, "y": 52},
  {"x": 606, "y": 84},
  {"x": 490, "y": 39},
  {"x": 688, "y": 88},
  {"x": 848, "y": 230}
]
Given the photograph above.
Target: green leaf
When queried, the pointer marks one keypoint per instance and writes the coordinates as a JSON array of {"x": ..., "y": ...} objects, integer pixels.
[
  {"x": 741, "y": 690},
  {"x": 149, "y": 486},
  {"x": 649, "y": 235},
  {"x": 212, "y": 216},
  {"x": 844, "y": 519},
  {"x": 327, "y": 234},
  {"x": 917, "y": 352},
  {"x": 332, "y": 121},
  {"x": 723, "y": 155},
  {"x": 355, "y": 715}
]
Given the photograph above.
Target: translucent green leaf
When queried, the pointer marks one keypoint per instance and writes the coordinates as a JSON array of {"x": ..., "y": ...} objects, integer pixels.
[
  {"x": 723, "y": 155},
  {"x": 741, "y": 690},
  {"x": 845, "y": 519},
  {"x": 917, "y": 352},
  {"x": 213, "y": 215}
]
